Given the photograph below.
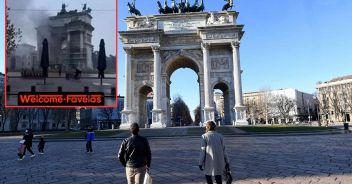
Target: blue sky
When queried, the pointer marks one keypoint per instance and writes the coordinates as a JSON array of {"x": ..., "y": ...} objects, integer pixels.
[{"x": 287, "y": 44}]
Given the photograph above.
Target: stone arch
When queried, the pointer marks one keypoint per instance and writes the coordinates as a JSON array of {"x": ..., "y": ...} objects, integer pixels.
[{"x": 181, "y": 60}]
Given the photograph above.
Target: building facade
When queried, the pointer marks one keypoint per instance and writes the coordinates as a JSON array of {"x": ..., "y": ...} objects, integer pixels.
[
  {"x": 280, "y": 106},
  {"x": 335, "y": 99},
  {"x": 69, "y": 36},
  {"x": 24, "y": 57}
]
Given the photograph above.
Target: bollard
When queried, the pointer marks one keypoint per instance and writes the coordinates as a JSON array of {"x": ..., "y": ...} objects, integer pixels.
[{"x": 345, "y": 125}]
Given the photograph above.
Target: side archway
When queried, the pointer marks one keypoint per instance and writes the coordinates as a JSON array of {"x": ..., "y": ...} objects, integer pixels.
[
  {"x": 145, "y": 106},
  {"x": 222, "y": 100}
]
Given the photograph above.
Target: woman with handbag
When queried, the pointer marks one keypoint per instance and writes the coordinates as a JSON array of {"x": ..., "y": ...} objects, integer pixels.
[{"x": 213, "y": 157}]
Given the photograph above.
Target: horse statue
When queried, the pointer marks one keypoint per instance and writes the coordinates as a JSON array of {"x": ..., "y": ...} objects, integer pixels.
[
  {"x": 182, "y": 7},
  {"x": 174, "y": 7},
  {"x": 132, "y": 9},
  {"x": 167, "y": 9},
  {"x": 84, "y": 7},
  {"x": 201, "y": 6},
  {"x": 228, "y": 5},
  {"x": 161, "y": 9},
  {"x": 187, "y": 6},
  {"x": 194, "y": 7}
]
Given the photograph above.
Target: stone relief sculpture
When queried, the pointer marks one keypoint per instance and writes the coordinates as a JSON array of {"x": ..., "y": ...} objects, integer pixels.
[
  {"x": 144, "y": 68},
  {"x": 143, "y": 24},
  {"x": 215, "y": 20},
  {"x": 220, "y": 63}
]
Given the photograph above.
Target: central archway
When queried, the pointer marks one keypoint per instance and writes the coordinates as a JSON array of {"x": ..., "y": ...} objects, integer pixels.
[{"x": 173, "y": 64}]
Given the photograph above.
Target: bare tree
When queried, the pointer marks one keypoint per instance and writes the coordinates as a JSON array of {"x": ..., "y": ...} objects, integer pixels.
[
  {"x": 267, "y": 106},
  {"x": 346, "y": 100},
  {"x": 45, "y": 112},
  {"x": 18, "y": 115},
  {"x": 253, "y": 110},
  {"x": 4, "y": 113},
  {"x": 13, "y": 35},
  {"x": 70, "y": 117},
  {"x": 59, "y": 115},
  {"x": 31, "y": 115},
  {"x": 284, "y": 106},
  {"x": 106, "y": 113}
]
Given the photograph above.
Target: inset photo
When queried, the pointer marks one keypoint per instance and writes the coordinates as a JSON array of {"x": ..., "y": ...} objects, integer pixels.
[{"x": 61, "y": 53}]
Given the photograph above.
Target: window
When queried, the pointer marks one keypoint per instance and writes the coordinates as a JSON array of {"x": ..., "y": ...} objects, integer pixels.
[
  {"x": 63, "y": 124},
  {"x": 54, "y": 125}
]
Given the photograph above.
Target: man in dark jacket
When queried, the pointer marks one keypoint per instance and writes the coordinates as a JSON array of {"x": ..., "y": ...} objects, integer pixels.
[
  {"x": 135, "y": 156},
  {"x": 28, "y": 138}
]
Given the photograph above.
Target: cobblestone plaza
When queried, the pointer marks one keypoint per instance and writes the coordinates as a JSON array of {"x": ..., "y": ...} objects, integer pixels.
[{"x": 254, "y": 159}]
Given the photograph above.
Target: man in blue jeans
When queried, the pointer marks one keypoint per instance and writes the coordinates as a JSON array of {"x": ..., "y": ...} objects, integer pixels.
[{"x": 135, "y": 156}]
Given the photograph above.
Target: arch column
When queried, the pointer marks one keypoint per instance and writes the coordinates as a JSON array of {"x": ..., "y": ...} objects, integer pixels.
[
  {"x": 127, "y": 114},
  {"x": 157, "y": 117},
  {"x": 239, "y": 108},
  {"x": 208, "y": 109}
]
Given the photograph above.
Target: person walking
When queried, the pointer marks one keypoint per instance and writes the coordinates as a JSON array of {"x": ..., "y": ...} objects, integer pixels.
[
  {"x": 21, "y": 149},
  {"x": 213, "y": 157},
  {"x": 90, "y": 136},
  {"x": 135, "y": 156},
  {"x": 28, "y": 139},
  {"x": 41, "y": 145}
]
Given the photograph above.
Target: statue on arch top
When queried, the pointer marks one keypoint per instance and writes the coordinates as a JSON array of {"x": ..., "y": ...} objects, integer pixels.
[
  {"x": 132, "y": 8},
  {"x": 183, "y": 7},
  {"x": 228, "y": 5}
]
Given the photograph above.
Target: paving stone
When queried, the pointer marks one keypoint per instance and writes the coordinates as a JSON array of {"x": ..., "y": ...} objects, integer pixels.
[{"x": 253, "y": 160}]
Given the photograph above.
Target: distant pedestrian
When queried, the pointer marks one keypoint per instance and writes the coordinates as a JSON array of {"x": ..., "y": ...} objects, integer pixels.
[
  {"x": 135, "y": 156},
  {"x": 28, "y": 137},
  {"x": 20, "y": 151},
  {"x": 60, "y": 71},
  {"x": 213, "y": 158},
  {"x": 90, "y": 136},
  {"x": 41, "y": 145}
]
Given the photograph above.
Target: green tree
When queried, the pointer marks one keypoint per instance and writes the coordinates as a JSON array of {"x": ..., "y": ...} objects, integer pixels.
[
  {"x": 197, "y": 115},
  {"x": 13, "y": 35},
  {"x": 180, "y": 113}
]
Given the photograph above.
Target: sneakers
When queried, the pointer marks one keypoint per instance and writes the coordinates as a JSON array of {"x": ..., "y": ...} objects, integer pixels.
[
  {"x": 20, "y": 158},
  {"x": 32, "y": 155},
  {"x": 41, "y": 153}
]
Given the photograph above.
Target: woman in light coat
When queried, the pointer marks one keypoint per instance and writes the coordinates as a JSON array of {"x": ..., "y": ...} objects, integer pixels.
[{"x": 213, "y": 158}]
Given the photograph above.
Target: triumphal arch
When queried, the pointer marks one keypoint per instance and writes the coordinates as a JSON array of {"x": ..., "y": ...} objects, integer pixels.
[{"x": 157, "y": 45}]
